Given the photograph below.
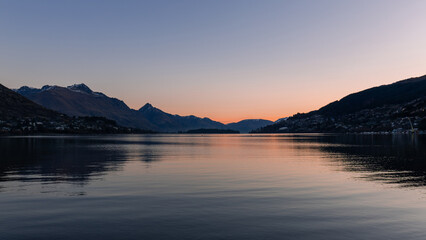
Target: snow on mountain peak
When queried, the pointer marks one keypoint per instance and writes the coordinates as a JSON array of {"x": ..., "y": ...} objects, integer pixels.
[{"x": 80, "y": 88}]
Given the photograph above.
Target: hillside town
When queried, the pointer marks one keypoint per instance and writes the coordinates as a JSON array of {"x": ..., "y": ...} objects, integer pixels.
[
  {"x": 66, "y": 125},
  {"x": 397, "y": 119}
]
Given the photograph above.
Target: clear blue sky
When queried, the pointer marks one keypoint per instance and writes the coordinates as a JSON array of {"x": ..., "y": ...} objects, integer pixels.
[{"x": 227, "y": 60}]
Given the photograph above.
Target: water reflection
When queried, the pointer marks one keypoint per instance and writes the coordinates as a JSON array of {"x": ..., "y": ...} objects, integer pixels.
[
  {"x": 394, "y": 159},
  {"x": 212, "y": 187},
  {"x": 70, "y": 159},
  {"x": 399, "y": 159}
]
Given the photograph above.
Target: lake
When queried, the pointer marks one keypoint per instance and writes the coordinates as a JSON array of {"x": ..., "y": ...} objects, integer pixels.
[{"x": 289, "y": 186}]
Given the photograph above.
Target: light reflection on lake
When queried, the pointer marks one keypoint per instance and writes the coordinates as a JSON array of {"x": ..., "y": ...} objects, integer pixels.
[{"x": 305, "y": 186}]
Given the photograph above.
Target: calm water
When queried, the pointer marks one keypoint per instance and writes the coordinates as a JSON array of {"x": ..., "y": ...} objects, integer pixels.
[{"x": 213, "y": 187}]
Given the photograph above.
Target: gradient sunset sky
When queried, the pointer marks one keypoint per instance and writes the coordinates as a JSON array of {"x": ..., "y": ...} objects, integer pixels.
[{"x": 227, "y": 60}]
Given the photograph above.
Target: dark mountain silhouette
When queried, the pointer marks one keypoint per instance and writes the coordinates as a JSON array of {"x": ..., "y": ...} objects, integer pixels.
[
  {"x": 172, "y": 123},
  {"x": 15, "y": 106},
  {"x": 248, "y": 125},
  {"x": 396, "y": 93},
  {"x": 80, "y": 100},
  {"x": 382, "y": 108},
  {"x": 19, "y": 115}
]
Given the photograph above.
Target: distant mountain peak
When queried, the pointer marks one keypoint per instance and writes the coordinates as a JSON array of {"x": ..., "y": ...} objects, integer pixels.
[
  {"x": 48, "y": 87},
  {"x": 26, "y": 89},
  {"x": 81, "y": 88},
  {"x": 247, "y": 125},
  {"x": 147, "y": 107}
]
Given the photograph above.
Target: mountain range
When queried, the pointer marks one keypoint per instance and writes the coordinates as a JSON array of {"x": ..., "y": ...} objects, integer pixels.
[
  {"x": 19, "y": 115},
  {"x": 80, "y": 100},
  {"x": 394, "y": 107}
]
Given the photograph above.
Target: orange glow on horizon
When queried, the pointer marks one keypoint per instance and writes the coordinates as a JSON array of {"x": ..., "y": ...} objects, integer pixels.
[
  {"x": 272, "y": 105},
  {"x": 230, "y": 118}
]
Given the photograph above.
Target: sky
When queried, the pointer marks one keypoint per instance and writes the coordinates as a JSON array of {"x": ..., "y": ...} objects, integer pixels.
[{"x": 225, "y": 59}]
